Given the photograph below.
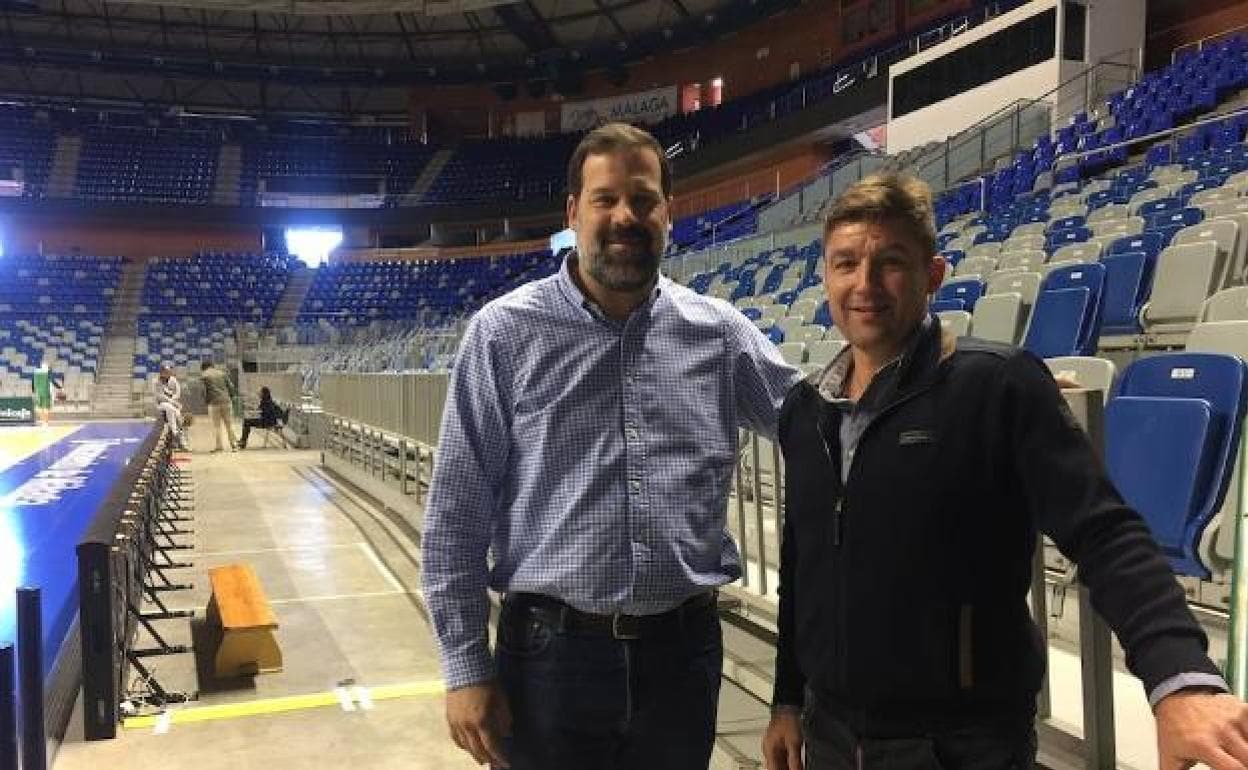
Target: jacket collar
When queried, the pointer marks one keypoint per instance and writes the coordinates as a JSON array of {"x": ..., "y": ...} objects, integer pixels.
[{"x": 929, "y": 345}]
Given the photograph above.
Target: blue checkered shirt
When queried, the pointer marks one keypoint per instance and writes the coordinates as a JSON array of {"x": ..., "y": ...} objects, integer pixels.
[{"x": 590, "y": 459}]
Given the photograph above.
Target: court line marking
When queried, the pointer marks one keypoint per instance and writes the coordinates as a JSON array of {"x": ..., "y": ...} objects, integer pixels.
[
  {"x": 381, "y": 567},
  {"x": 321, "y": 598},
  {"x": 285, "y": 704},
  {"x": 286, "y": 549},
  {"x": 335, "y": 597}
]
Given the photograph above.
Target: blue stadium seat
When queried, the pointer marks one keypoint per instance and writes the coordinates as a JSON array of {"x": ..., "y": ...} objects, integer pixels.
[
  {"x": 1066, "y": 319},
  {"x": 945, "y": 305},
  {"x": 967, "y": 290},
  {"x": 1128, "y": 279},
  {"x": 1172, "y": 429}
]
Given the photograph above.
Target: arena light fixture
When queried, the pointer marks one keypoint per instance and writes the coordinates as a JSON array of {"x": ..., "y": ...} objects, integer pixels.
[{"x": 313, "y": 244}]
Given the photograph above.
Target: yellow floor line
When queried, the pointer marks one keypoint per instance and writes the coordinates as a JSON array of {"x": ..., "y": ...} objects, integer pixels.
[{"x": 181, "y": 716}]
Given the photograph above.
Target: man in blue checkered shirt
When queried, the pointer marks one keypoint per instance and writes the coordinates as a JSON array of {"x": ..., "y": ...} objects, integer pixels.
[{"x": 586, "y": 451}]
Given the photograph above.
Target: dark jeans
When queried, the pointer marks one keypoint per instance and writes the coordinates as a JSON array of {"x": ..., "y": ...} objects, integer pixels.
[
  {"x": 583, "y": 701},
  {"x": 1002, "y": 745}
]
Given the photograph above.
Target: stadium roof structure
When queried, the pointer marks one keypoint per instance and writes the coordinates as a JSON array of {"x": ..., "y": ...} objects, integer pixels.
[{"x": 335, "y": 56}]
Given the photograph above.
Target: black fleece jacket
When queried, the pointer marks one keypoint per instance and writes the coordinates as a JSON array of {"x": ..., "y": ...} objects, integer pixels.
[{"x": 903, "y": 592}]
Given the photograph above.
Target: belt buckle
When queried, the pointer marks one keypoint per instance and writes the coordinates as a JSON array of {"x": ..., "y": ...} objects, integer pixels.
[{"x": 621, "y": 633}]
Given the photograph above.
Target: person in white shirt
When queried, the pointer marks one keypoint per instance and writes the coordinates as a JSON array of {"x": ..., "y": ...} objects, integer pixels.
[{"x": 168, "y": 394}]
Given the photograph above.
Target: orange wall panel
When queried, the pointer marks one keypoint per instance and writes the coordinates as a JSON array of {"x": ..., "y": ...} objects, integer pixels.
[
  {"x": 131, "y": 240},
  {"x": 1179, "y": 24}
]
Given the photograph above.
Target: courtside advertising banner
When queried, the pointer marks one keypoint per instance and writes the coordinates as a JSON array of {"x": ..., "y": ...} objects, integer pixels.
[{"x": 17, "y": 411}]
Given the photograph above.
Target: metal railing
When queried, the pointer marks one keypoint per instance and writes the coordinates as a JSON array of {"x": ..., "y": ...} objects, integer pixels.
[
  {"x": 1199, "y": 45},
  {"x": 1067, "y": 159},
  {"x": 391, "y": 442}
]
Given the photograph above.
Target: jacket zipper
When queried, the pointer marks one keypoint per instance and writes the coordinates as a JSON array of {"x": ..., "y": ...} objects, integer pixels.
[{"x": 840, "y": 648}]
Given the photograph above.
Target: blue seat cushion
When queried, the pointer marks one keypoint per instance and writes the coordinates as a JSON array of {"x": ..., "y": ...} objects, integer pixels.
[{"x": 1158, "y": 451}]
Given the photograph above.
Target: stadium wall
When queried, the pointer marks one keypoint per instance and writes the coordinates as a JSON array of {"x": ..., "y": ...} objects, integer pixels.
[
  {"x": 1173, "y": 23},
  {"x": 748, "y": 178},
  {"x": 956, "y": 113},
  {"x": 811, "y": 37},
  {"x": 33, "y": 236}
]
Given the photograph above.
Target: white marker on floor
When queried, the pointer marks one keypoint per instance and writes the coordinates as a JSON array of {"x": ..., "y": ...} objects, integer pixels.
[
  {"x": 363, "y": 697},
  {"x": 344, "y": 699}
]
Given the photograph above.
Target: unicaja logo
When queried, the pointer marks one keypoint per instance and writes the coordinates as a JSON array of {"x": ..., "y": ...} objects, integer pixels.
[{"x": 15, "y": 414}]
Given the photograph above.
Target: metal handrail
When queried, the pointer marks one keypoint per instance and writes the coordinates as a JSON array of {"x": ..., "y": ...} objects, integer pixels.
[
  {"x": 1169, "y": 132},
  {"x": 1200, "y": 44}
]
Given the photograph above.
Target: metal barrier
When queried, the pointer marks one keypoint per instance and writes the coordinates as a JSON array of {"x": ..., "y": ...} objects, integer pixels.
[
  {"x": 287, "y": 388},
  {"x": 1237, "y": 632},
  {"x": 383, "y": 433},
  {"x": 8, "y": 708},
  {"x": 34, "y": 739},
  {"x": 124, "y": 561}
]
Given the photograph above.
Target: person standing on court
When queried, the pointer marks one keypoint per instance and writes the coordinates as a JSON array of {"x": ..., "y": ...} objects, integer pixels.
[
  {"x": 920, "y": 469},
  {"x": 588, "y": 440},
  {"x": 219, "y": 396},
  {"x": 41, "y": 391}
]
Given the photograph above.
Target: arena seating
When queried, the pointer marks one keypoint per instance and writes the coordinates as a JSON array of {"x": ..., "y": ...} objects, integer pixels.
[
  {"x": 146, "y": 165},
  {"x": 1172, "y": 430},
  {"x": 243, "y": 287},
  {"x": 359, "y": 163},
  {"x": 27, "y": 144},
  {"x": 504, "y": 170},
  {"x": 54, "y": 310},
  {"x": 432, "y": 293}
]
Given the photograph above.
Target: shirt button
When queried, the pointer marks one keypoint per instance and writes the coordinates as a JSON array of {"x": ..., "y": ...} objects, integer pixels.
[
  {"x": 635, "y": 486},
  {"x": 631, "y": 433}
]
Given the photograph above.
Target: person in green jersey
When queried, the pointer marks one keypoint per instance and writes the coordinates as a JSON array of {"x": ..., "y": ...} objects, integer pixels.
[{"x": 41, "y": 386}]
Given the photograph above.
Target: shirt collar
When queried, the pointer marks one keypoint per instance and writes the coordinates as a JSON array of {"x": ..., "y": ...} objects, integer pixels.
[
  {"x": 834, "y": 379},
  {"x": 578, "y": 299}
]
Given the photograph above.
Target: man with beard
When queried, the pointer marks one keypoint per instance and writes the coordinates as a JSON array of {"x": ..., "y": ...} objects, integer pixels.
[{"x": 587, "y": 444}]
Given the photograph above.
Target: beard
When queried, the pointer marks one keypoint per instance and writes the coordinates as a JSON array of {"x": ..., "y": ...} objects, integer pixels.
[{"x": 631, "y": 269}]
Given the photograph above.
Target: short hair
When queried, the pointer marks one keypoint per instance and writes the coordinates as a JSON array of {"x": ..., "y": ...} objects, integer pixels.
[
  {"x": 616, "y": 137},
  {"x": 887, "y": 196},
  {"x": 205, "y": 365}
]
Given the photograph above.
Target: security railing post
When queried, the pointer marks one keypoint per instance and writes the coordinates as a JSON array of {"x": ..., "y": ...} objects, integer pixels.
[
  {"x": 30, "y": 679},
  {"x": 8, "y": 708},
  {"x": 757, "y": 483}
]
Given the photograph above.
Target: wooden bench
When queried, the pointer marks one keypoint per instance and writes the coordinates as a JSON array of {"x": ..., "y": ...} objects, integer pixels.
[{"x": 244, "y": 623}]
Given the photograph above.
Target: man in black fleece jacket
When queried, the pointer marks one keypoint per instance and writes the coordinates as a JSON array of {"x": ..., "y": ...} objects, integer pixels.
[{"x": 920, "y": 470}]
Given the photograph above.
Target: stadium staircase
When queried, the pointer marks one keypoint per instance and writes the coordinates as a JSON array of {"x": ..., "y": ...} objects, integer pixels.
[
  {"x": 430, "y": 172},
  {"x": 64, "y": 172},
  {"x": 229, "y": 170},
  {"x": 292, "y": 299},
  {"x": 113, "y": 390}
]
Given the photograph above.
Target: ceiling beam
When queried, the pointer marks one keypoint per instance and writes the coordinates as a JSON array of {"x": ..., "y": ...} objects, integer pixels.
[
  {"x": 407, "y": 41},
  {"x": 606, "y": 11}
]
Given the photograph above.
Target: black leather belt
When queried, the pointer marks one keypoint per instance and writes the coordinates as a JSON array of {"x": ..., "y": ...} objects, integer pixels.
[{"x": 567, "y": 618}]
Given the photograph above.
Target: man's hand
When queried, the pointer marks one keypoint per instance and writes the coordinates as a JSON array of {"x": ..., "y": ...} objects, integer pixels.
[
  {"x": 479, "y": 719},
  {"x": 782, "y": 743},
  {"x": 1194, "y": 726}
]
